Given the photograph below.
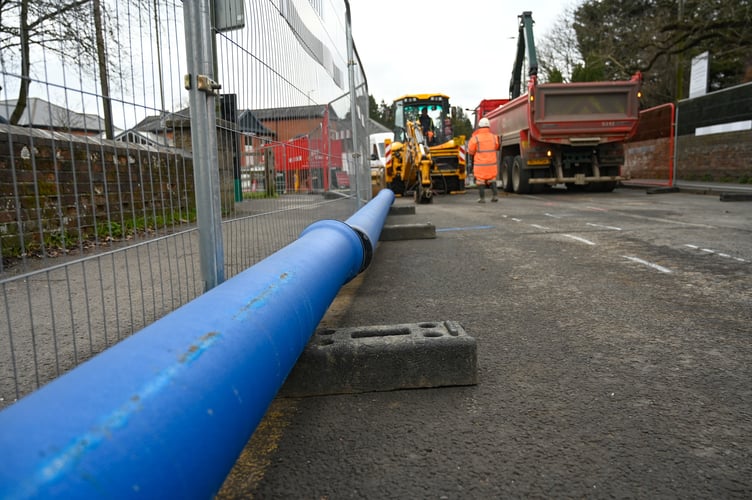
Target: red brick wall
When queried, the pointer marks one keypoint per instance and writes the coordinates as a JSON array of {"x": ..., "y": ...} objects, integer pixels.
[
  {"x": 648, "y": 160},
  {"x": 287, "y": 129}
]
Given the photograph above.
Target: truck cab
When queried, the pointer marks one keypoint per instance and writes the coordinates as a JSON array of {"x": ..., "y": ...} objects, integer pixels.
[{"x": 415, "y": 108}]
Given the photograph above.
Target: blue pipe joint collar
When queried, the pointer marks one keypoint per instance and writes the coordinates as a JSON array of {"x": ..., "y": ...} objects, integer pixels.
[
  {"x": 329, "y": 229},
  {"x": 369, "y": 221}
]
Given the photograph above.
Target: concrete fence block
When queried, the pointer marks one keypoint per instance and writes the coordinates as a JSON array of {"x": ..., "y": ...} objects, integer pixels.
[
  {"x": 419, "y": 231},
  {"x": 384, "y": 358}
]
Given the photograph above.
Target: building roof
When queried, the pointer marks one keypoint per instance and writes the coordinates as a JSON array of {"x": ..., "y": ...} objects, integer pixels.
[
  {"x": 162, "y": 121},
  {"x": 293, "y": 113},
  {"x": 149, "y": 124},
  {"x": 42, "y": 114},
  {"x": 143, "y": 137},
  {"x": 375, "y": 127},
  {"x": 249, "y": 123}
]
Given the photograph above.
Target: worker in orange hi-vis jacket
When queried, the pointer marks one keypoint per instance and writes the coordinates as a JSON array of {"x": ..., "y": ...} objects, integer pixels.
[{"x": 483, "y": 146}]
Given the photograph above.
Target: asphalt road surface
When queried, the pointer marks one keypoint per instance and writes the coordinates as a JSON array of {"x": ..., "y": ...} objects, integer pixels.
[{"x": 614, "y": 336}]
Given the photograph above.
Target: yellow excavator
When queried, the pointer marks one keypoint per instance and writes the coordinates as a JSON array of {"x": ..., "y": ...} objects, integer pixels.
[
  {"x": 425, "y": 119},
  {"x": 409, "y": 165}
]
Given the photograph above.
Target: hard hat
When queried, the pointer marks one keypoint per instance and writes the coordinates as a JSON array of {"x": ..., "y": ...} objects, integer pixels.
[{"x": 483, "y": 122}]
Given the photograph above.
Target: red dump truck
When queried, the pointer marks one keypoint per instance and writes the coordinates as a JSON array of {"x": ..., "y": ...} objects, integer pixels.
[{"x": 562, "y": 133}]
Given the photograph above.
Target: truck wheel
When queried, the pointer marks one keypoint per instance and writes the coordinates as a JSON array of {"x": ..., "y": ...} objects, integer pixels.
[
  {"x": 506, "y": 175},
  {"x": 520, "y": 177}
]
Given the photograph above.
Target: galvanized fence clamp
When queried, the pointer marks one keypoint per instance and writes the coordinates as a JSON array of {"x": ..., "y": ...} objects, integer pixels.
[{"x": 204, "y": 83}]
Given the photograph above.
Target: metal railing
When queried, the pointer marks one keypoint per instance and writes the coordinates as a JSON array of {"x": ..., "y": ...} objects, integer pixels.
[{"x": 117, "y": 206}]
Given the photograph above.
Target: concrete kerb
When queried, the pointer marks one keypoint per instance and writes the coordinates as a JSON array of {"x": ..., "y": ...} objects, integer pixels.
[
  {"x": 726, "y": 191},
  {"x": 410, "y": 231},
  {"x": 384, "y": 358},
  {"x": 417, "y": 231},
  {"x": 736, "y": 197},
  {"x": 402, "y": 210},
  {"x": 662, "y": 190}
]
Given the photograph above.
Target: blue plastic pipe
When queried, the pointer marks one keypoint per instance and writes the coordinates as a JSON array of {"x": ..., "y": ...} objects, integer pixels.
[
  {"x": 369, "y": 220},
  {"x": 166, "y": 412}
]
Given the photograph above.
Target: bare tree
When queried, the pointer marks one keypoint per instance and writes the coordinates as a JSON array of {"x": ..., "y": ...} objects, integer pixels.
[
  {"x": 39, "y": 22},
  {"x": 558, "y": 51},
  {"x": 104, "y": 79}
]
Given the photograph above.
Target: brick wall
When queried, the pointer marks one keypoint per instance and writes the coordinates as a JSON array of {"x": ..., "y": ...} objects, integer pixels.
[
  {"x": 723, "y": 157},
  {"x": 53, "y": 183},
  {"x": 715, "y": 158},
  {"x": 648, "y": 159}
]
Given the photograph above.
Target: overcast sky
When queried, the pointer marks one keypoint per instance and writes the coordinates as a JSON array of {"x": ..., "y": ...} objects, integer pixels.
[{"x": 463, "y": 49}]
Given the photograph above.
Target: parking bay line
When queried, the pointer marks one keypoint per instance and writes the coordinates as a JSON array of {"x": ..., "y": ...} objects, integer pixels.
[
  {"x": 614, "y": 228},
  {"x": 577, "y": 238},
  {"x": 711, "y": 251},
  {"x": 649, "y": 264}
]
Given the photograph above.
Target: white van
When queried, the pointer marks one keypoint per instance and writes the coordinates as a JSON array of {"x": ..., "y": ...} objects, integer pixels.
[{"x": 377, "y": 149}]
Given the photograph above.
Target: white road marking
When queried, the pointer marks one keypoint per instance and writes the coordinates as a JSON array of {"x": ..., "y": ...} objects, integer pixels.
[
  {"x": 649, "y": 264},
  {"x": 711, "y": 251},
  {"x": 538, "y": 226},
  {"x": 604, "y": 227},
  {"x": 552, "y": 215},
  {"x": 668, "y": 221},
  {"x": 516, "y": 219},
  {"x": 583, "y": 240}
]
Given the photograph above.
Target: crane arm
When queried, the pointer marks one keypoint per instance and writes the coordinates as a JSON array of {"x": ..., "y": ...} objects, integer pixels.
[{"x": 525, "y": 40}]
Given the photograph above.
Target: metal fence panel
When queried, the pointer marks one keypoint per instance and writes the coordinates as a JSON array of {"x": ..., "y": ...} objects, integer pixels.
[{"x": 98, "y": 209}]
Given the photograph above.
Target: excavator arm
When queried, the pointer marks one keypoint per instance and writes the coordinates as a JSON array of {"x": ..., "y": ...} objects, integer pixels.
[{"x": 419, "y": 164}]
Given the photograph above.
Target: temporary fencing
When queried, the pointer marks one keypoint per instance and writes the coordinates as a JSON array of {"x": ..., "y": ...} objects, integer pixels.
[
  {"x": 649, "y": 155},
  {"x": 164, "y": 148}
]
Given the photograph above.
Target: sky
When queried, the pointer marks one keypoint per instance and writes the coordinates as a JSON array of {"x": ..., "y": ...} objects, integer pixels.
[{"x": 465, "y": 50}]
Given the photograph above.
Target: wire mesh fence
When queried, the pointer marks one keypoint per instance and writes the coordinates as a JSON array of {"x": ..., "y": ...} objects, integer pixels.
[{"x": 102, "y": 167}]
